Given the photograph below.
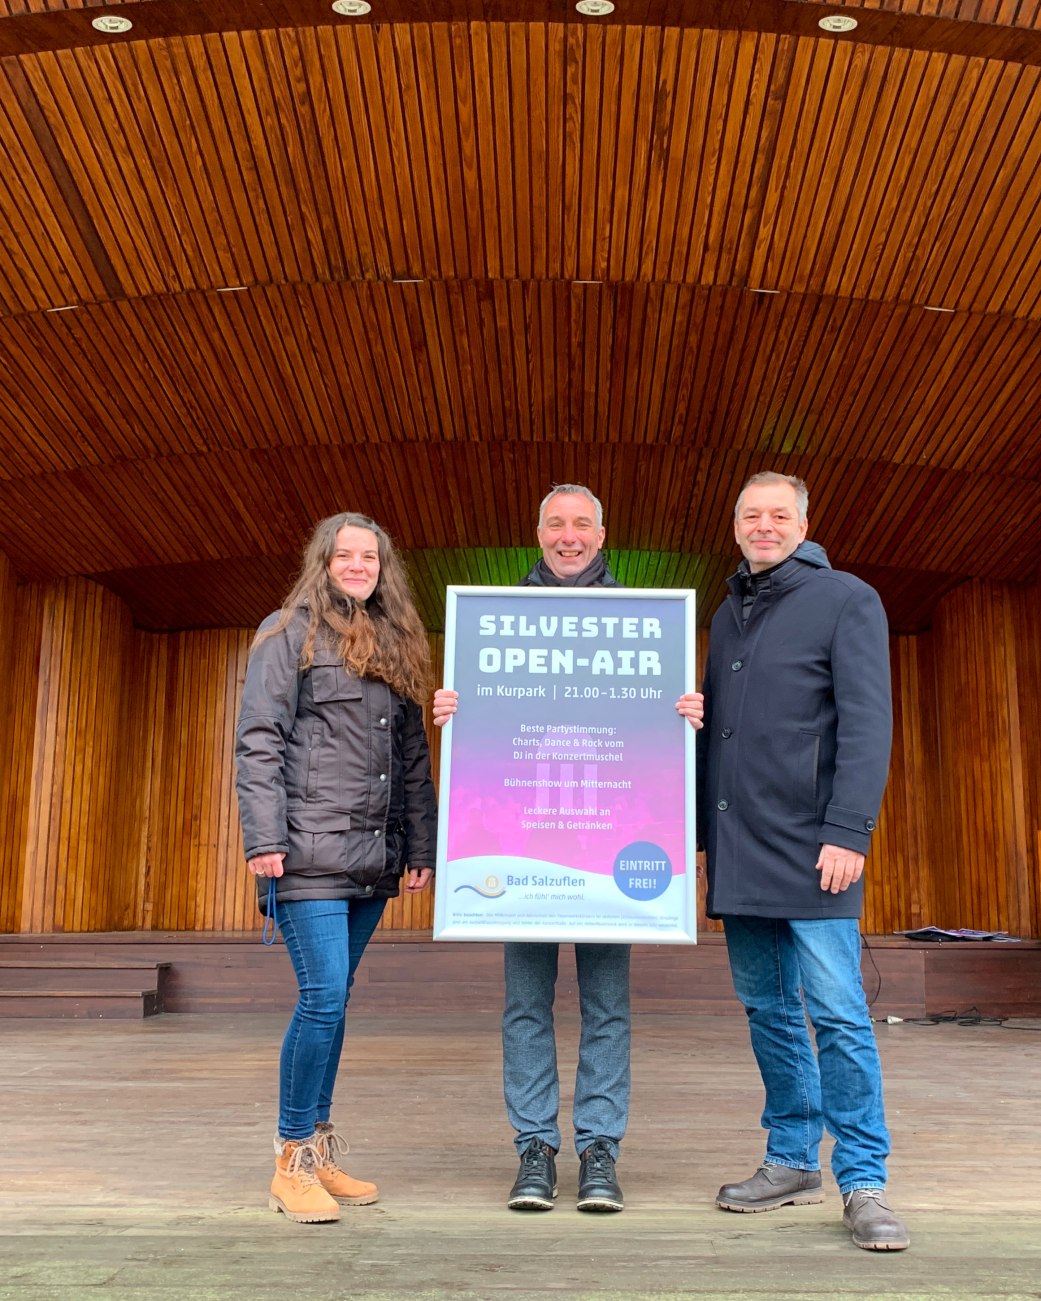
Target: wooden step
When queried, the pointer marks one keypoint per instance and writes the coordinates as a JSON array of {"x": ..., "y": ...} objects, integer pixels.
[
  {"x": 76, "y": 1004},
  {"x": 88, "y": 988}
]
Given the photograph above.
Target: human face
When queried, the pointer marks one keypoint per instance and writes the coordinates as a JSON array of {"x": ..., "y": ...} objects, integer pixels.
[
  {"x": 568, "y": 534},
  {"x": 355, "y": 563},
  {"x": 767, "y": 525}
]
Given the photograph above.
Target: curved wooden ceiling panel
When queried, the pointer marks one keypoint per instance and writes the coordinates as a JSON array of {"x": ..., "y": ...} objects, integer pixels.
[
  {"x": 440, "y": 151},
  {"x": 630, "y": 364},
  {"x": 228, "y": 505},
  {"x": 264, "y": 264},
  {"x": 1011, "y": 13}
]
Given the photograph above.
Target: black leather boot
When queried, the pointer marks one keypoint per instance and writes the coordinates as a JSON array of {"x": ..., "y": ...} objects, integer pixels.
[
  {"x": 536, "y": 1182},
  {"x": 598, "y": 1188}
]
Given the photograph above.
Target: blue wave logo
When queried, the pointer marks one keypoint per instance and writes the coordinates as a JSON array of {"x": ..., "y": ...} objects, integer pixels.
[{"x": 492, "y": 889}]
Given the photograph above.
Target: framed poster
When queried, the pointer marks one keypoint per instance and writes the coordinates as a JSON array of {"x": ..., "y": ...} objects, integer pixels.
[{"x": 567, "y": 777}]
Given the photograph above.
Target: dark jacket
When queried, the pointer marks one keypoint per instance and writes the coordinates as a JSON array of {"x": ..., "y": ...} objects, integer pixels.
[
  {"x": 333, "y": 771},
  {"x": 795, "y": 748}
]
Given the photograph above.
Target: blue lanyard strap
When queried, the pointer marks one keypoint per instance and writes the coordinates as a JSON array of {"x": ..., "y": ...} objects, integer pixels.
[{"x": 270, "y": 917}]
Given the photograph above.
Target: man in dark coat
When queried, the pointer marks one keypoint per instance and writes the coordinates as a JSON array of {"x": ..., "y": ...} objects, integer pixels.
[
  {"x": 794, "y": 754},
  {"x": 571, "y": 533}
]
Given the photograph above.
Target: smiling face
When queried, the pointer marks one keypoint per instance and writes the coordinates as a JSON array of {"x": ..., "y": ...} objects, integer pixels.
[
  {"x": 569, "y": 534},
  {"x": 355, "y": 563},
  {"x": 767, "y": 524}
]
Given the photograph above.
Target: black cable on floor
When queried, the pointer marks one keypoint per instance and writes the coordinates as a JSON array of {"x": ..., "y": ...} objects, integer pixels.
[{"x": 973, "y": 1016}]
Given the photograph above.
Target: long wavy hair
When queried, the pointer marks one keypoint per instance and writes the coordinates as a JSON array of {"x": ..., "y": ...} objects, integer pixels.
[{"x": 383, "y": 638}]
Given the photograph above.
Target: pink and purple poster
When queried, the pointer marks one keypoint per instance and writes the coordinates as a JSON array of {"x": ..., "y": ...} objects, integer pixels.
[{"x": 567, "y": 777}]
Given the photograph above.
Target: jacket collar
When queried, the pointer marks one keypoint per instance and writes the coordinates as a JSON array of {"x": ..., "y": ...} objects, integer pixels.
[{"x": 790, "y": 572}]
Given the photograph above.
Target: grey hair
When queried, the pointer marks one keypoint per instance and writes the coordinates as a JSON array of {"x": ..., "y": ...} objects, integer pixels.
[
  {"x": 572, "y": 490},
  {"x": 802, "y": 493}
]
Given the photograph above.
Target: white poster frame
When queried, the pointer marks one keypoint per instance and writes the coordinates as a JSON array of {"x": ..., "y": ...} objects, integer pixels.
[{"x": 680, "y": 741}]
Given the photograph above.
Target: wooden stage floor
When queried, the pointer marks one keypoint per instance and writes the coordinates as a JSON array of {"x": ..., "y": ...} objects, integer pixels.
[{"x": 138, "y": 1154}]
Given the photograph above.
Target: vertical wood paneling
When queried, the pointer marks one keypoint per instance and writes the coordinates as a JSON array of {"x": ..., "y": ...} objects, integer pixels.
[
  {"x": 196, "y": 872},
  {"x": 19, "y": 788},
  {"x": 117, "y": 774},
  {"x": 898, "y": 890},
  {"x": 11, "y": 718},
  {"x": 408, "y": 912},
  {"x": 985, "y": 864},
  {"x": 70, "y": 791},
  {"x": 1025, "y": 684}
]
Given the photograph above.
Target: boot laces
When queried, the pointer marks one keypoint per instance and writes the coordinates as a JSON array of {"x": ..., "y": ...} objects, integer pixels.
[
  {"x": 876, "y": 1194},
  {"x": 598, "y": 1159},
  {"x": 302, "y": 1162},
  {"x": 533, "y": 1157},
  {"x": 329, "y": 1145}
]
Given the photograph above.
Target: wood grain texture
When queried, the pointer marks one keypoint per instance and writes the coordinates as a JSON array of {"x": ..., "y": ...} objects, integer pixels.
[
  {"x": 429, "y": 263},
  {"x": 72, "y": 793},
  {"x": 452, "y": 255},
  {"x": 118, "y": 777},
  {"x": 440, "y": 1230},
  {"x": 664, "y": 418},
  {"x": 517, "y": 152}
]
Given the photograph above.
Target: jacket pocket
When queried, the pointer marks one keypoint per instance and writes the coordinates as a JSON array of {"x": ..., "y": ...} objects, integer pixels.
[
  {"x": 806, "y": 758},
  {"x": 333, "y": 682},
  {"x": 317, "y": 841}
]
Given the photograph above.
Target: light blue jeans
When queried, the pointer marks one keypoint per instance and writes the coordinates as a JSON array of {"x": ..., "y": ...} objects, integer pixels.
[
  {"x": 839, "y": 1086},
  {"x": 325, "y": 939},
  {"x": 529, "y": 1049}
]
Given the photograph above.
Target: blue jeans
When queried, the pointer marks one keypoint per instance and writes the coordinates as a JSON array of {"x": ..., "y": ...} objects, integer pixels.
[
  {"x": 529, "y": 1049},
  {"x": 839, "y": 1086},
  {"x": 325, "y": 939}
]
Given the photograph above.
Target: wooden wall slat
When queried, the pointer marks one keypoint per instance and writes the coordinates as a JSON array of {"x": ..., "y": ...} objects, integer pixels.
[
  {"x": 70, "y": 790},
  {"x": 988, "y": 842},
  {"x": 12, "y": 721}
]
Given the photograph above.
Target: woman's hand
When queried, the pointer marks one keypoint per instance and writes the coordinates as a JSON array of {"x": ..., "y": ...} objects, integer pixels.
[
  {"x": 266, "y": 864},
  {"x": 692, "y": 708},
  {"x": 417, "y": 879},
  {"x": 445, "y": 704}
]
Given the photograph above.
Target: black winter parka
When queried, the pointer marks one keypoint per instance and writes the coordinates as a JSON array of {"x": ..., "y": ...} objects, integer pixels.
[
  {"x": 794, "y": 752},
  {"x": 333, "y": 771}
]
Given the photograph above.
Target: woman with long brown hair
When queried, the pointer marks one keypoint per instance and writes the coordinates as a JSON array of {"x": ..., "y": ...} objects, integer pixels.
[{"x": 337, "y": 804}]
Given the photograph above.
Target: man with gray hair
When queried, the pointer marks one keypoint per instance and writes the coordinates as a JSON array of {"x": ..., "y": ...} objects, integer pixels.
[
  {"x": 571, "y": 534},
  {"x": 793, "y": 759}
]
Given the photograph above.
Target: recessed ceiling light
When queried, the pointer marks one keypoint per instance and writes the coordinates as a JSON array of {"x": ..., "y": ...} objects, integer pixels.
[
  {"x": 937, "y": 309},
  {"x": 69, "y": 307},
  {"x": 595, "y": 8},
  {"x": 232, "y": 289},
  {"x": 111, "y": 24},
  {"x": 351, "y": 8},
  {"x": 764, "y": 291},
  {"x": 837, "y": 23}
]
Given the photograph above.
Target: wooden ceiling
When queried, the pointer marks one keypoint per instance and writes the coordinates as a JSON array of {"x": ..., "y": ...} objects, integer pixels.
[{"x": 261, "y": 263}]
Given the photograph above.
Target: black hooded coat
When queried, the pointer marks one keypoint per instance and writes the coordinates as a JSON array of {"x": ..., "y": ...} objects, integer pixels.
[{"x": 794, "y": 752}]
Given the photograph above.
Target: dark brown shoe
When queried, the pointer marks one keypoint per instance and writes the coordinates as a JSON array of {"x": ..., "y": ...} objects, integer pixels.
[
  {"x": 770, "y": 1187},
  {"x": 871, "y": 1220}
]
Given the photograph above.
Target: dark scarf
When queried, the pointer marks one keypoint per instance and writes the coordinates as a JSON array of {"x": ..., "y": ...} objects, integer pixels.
[{"x": 595, "y": 574}]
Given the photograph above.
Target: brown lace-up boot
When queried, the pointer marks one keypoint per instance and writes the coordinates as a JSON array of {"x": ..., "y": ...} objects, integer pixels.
[
  {"x": 296, "y": 1190},
  {"x": 352, "y": 1192}
]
